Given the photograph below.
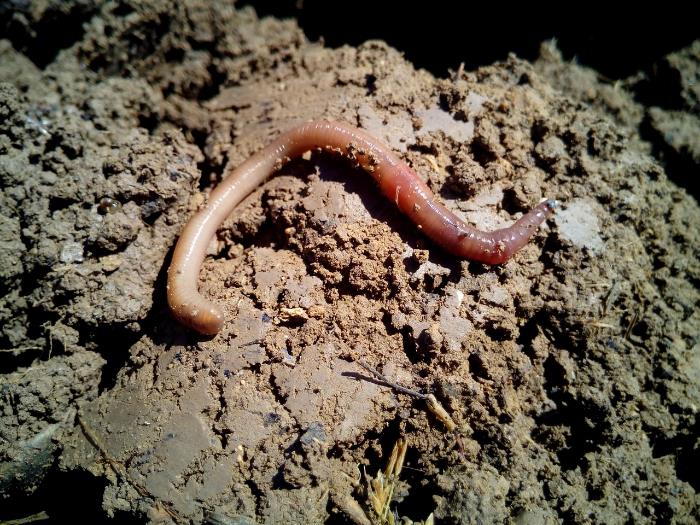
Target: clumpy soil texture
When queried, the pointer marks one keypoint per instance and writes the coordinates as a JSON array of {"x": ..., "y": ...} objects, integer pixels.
[{"x": 571, "y": 372}]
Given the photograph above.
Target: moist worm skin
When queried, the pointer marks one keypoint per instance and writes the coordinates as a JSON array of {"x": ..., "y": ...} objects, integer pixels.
[{"x": 395, "y": 179}]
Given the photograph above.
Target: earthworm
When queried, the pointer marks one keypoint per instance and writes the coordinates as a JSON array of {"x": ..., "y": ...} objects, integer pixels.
[{"x": 395, "y": 179}]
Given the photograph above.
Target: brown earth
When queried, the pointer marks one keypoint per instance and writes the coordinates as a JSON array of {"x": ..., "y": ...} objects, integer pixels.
[{"x": 572, "y": 371}]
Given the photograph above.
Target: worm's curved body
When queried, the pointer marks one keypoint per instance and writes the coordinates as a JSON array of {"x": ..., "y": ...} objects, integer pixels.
[{"x": 396, "y": 180}]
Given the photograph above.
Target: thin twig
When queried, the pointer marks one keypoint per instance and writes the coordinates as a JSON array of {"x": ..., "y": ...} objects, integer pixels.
[
  {"x": 431, "y": 401},
  {"x": 39, "y": 516},
  {"x": 390, "y": 384},
  {"x": 632, "y": 324}
]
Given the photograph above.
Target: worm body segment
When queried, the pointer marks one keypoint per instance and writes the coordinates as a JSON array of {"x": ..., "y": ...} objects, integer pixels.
[{"x": 395, "y": 179}]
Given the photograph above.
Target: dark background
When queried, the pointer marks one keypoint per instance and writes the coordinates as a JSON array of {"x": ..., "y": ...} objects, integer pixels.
[{"x": 615, "y": 39}]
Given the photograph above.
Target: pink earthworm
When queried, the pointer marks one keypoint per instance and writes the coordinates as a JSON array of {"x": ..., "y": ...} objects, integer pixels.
[{"x": 396, "y": 180}]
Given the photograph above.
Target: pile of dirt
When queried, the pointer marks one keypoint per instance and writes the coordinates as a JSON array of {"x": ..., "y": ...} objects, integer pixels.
[{"x": 571, "y": 371}]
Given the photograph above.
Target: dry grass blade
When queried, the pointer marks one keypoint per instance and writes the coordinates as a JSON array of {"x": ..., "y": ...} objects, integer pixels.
[{"x": 380, "y": 489}]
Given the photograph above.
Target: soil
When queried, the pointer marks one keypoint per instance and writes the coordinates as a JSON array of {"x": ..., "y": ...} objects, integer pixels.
[{"x": 572, "y": 372}]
